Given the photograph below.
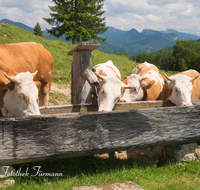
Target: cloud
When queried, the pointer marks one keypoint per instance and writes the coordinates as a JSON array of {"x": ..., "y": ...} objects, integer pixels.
[
  {"x": 25, "y": 11},
  {"x": 26, "y": 5},
  {"x": 181, "y": 15},
  {"x": 161, "y": 2}
]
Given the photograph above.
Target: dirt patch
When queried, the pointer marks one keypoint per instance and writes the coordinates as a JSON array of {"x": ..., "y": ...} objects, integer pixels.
[
  {"x": 60, "y": 94},
  {"x": 64, "y": 89}
]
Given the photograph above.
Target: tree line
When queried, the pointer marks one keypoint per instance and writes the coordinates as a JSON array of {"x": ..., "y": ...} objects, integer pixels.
[{"x": 184, "y": 55}]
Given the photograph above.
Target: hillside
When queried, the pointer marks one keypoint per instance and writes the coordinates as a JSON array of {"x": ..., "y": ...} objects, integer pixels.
[
  {"x": 132, "y": 42},
  {"x": 59, "y": 50},
  {"x": 182, "y": 35}
]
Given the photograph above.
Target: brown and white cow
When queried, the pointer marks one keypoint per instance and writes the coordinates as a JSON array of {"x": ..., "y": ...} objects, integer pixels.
[
  {"x": 111, "y": 87},
  {"x": 147, "y": 81},
  {"x": 16, "y": 61},
  {"x": 181, "y": 87}
]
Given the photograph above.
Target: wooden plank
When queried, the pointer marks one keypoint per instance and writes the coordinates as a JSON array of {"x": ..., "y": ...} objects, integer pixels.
[
  {"x": 34, "y": 138},
  {"x": 82, "y": 108},
  {"x": 80, "y": 88},
  {"x": 85, "y": 46}
]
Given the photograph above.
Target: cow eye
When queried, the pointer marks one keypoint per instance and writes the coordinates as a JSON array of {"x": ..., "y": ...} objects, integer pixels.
[
  {"x": 22, "y": 97},
  {"x": 102, "y": 91}
]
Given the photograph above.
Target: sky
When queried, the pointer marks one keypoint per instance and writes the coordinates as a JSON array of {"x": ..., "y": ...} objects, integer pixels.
[{"x": 180, "y": 15}]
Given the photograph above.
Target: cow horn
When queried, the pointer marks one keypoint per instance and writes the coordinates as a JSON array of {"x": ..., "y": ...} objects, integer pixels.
[
  {"x": 33, "y": 74},
  {"x": 167, "y": 77},
  {"x": 99, "y": 76},
  {"x": 194, "y": 78},
  {"x": 10, "y": 78}
]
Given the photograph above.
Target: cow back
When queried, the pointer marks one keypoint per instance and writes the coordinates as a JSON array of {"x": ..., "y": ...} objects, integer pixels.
[{"x": 151, "y": 73}]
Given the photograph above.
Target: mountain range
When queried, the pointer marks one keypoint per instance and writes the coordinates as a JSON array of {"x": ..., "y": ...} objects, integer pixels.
[{"x": 132, "y": 42}]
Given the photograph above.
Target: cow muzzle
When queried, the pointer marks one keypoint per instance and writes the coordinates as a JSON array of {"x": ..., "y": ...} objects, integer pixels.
[{"x": 188, "y": 104}]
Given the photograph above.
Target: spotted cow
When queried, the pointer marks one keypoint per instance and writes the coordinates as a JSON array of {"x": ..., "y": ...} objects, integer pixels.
[
  {"x": 147, "y": 83},
  {"x": 111, "y": 88}
]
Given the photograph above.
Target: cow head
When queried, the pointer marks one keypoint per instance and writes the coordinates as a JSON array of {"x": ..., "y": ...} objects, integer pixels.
[
  {"x": 139, "y": 85},
  {"x": 110, "y": 91},
  {"x": 23, "y": 99},
  {"x": 181, "y": 87}
]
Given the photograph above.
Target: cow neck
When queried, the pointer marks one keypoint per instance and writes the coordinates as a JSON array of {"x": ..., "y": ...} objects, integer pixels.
[
  {"x": 114, "y": 72},
  {"x": 95, "y": 93},
  {"x": 145, "y": 94}
]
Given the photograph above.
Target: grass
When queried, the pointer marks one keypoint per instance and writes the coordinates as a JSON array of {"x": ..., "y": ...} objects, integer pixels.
[
  {"x": 95, "y": 171},
  {"x": 62, "y": 61},
  {"x": 59, "y": 50},
  {"x": 90, "y": 170},
  {"x": 57, "y": 98}
]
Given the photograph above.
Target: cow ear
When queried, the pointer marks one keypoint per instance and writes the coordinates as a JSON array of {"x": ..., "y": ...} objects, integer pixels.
[
  {"x": 166, "y": 78},
  {"x": 146, "y": 83},
  {"x": 38, "y": 84},
  {"x": 130, "y": 87},
  {"x": 125, "y": 86},
  {"x": 10, "y": 86},
  {"x": 99, "y": 76}
]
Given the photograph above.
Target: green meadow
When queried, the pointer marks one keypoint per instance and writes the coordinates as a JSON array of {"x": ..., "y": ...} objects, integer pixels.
[{"x": 165, "y": 175}]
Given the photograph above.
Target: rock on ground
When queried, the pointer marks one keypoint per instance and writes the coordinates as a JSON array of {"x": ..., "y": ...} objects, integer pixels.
[
  {"x": 129, "y": 185},
  {"x": 6, "y": 181}
]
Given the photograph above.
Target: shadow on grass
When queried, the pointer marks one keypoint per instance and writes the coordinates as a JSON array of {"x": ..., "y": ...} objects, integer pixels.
[{"x": 71, "y": 167}]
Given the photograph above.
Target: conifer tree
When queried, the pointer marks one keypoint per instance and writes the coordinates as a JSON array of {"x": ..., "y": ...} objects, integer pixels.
[
  {"x": 79, "y": 20},
  {"x": 38, "y": 30}
]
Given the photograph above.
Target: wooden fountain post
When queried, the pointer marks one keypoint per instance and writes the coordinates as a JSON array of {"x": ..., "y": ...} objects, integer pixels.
[{"x": 82, "y": 77}]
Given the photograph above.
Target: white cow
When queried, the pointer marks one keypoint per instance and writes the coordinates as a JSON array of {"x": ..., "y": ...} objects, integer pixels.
[
  {"x": 111, "y": 88},
  {"x": 21, "y": 101}
]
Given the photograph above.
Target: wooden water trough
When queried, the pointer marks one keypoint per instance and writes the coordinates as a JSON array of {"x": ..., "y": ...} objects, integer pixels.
[{"x": 79, "y": 130}]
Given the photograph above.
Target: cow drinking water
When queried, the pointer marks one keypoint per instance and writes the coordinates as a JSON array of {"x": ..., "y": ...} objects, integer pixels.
[
  {"x": 111, "y": 88},
  {"x": 181, "y": 87},
  {"x": 16, "y": 60}
]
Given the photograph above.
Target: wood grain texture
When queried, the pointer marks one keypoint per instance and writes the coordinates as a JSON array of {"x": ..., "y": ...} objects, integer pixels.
[
  {"x": 83, "y": 108},
  {"x": 85, "y": 46},
  {"x": 90, "y": 77},
  {"x": 80, "y": 88},
  {"x": 34, "y": 138}
]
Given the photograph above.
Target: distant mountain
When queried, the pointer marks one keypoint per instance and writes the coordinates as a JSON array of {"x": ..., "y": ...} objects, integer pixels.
[
  {"x": 20, "y": 25},
  {"x": 182, "y": 35},
  {"x": 112, "y": 32},
  {"x": 150, "y": 41},
  {"x": 27, "y": 28},
  {"x": 132, "y": 42}
]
